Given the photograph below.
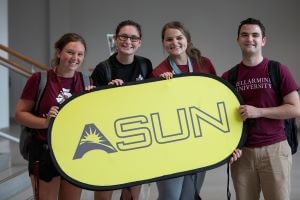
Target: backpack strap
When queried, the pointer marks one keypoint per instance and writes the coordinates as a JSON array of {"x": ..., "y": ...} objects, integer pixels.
[
  {"x": 233, "y": 74},
  {"x": 85, "y": 80},
  {"x": 143, "y": 65},
  {"x": 107, "y": 69},
  {"x": 274, "y": 74},
  {"x": 42, "y": 86}
]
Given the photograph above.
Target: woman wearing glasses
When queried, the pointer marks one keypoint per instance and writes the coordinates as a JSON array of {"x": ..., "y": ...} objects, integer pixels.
[
  {"x": 123, "y": 66},
  {"x": 183, "y": 58}
]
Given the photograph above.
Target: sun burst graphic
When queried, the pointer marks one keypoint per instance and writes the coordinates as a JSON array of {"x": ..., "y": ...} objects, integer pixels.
[{"x": 92, "y": 137}]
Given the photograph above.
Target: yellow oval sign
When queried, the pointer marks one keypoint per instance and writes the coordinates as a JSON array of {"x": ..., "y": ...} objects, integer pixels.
[{"x": 117, "y": 137}]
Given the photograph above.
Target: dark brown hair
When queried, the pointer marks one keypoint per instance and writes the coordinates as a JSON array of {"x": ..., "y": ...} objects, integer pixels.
[
  {"x": 129, "y": 23},
  {"x": 253, "y": 21}
]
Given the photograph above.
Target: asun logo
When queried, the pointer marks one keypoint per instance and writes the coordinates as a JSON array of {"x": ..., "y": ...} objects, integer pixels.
[
  {"x": 91, "y": 139},
  {"x": 190, "y": 121}
]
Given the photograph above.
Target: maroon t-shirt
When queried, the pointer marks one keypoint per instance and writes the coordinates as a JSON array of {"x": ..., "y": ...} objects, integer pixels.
[
  {"x": 254, "y": 85},
  {"x": 165, "y": 67},
  {"x": 56, "y": 91}
]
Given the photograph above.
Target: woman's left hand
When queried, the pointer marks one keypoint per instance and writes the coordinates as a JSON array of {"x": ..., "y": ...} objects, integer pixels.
[
  {"x": 90, "y": 87},
  {"x": 52, "y": 112},
  {"x": 167, "y": 75}
]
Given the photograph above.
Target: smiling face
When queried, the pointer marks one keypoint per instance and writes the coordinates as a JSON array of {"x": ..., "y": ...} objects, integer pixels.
[
  {"x": 71, "y": 56},
  {"x": 128, "y": 40},
  {"x": 175, "y": 42},
  {"x": 251, "y": 40}
]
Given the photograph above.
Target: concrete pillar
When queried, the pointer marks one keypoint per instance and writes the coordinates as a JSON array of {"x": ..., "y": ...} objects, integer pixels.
[{"x": 4, "y": 99}]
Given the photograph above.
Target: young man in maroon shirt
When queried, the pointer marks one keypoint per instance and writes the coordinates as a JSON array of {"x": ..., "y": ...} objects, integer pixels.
[{"x": 265, "y": 164}]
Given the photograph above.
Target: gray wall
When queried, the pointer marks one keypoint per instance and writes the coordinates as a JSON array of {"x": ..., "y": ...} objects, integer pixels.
[
  {"x": 35, "y": 25},
  {"x": 29, "y": 35}
]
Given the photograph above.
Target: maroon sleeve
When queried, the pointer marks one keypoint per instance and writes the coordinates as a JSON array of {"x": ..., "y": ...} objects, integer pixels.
[
  {"x": 213, "y": 70},
  {"x": 161, "y": 68},
  {"x": 156, "y": 72},
  {"x": 288, "y": 83},
  {"x": 31, "y": 88},
  {"x": 225, "y": 75}
]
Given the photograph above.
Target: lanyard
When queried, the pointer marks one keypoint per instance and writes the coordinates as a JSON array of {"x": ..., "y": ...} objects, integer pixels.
[{"x": 176, "y": 69}]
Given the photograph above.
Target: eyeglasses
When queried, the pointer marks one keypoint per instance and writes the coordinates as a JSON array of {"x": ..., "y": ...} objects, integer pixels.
[{"x": 125, "y": 37}]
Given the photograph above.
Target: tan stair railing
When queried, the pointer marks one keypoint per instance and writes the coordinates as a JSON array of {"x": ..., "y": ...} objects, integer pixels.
[
  {"x": 16, "y": 67},
  {"x": 19, "y": 69}
]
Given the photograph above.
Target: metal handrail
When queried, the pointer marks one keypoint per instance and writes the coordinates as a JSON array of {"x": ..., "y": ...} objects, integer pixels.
[
  {"x": 19, "y": 69},
  {"x": 22, "y": 57},
  {"x": 15, "y": 67},
  {"x": 9, "y": 137}
]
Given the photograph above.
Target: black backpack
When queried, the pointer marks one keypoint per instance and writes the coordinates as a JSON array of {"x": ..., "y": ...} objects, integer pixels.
[
  {"x": 26, "y": 136},
  {"x": 274, "y": 74}
]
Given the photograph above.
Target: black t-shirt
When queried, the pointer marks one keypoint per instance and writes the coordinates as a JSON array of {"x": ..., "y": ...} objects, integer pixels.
[{"x": 128, "y": 73}]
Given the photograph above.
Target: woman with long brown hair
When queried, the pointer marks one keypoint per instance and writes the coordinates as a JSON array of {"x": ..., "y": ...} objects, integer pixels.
[{"x": 183, "y": 58}]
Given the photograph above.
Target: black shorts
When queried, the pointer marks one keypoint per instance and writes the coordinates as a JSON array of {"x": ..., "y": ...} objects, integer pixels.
[{"x": 39, "y": 151}]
